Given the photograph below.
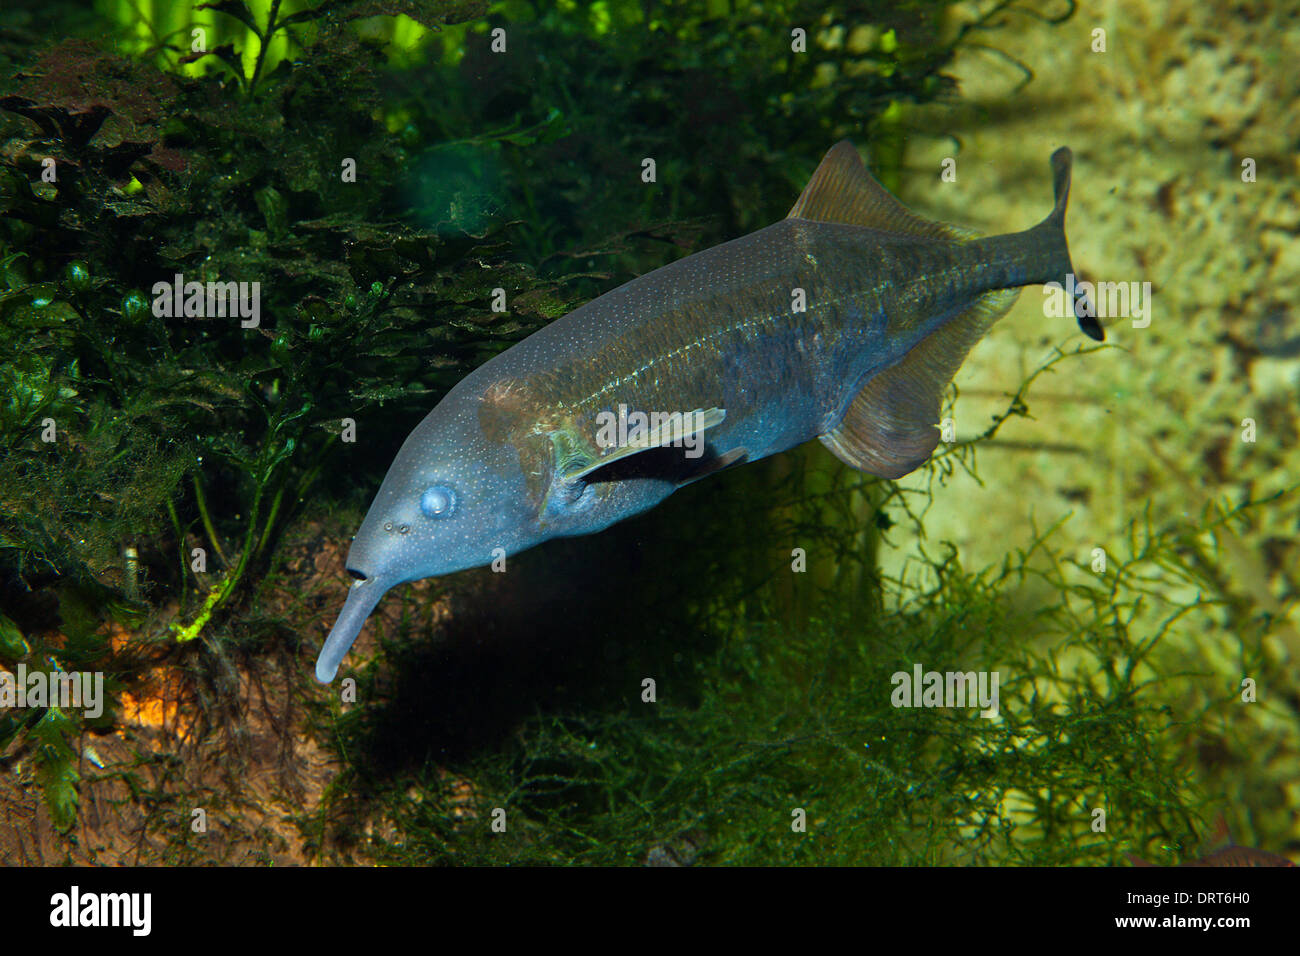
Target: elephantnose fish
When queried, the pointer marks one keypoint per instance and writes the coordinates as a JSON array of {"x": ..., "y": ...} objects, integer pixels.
[{"x": 845, "y": 321}]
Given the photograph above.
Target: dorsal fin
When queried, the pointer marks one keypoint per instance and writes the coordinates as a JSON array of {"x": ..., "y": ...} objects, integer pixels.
[
  {"x": 841, "y": 190},
  {"x": 889, "y": 427}
]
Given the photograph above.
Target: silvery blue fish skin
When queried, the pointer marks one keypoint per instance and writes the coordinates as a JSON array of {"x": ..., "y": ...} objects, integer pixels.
[{"x": 845, "y": 321}]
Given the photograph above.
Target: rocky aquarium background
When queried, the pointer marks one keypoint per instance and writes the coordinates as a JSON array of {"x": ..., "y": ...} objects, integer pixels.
[{"x": 1114, "y": 530}]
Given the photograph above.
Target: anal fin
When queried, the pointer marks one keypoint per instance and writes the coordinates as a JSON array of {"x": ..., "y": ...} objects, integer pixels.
[{"x": 889, "y": 427}]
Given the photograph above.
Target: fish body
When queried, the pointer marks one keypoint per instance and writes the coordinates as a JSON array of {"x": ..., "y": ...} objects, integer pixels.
[{"x": 845, "y": 322}]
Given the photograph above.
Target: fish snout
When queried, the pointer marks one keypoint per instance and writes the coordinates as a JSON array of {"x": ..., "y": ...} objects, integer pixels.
[{"x": 363, "y": 595}]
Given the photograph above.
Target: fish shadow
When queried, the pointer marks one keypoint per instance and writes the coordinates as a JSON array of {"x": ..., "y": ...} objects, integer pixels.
[{"x": 571, "y": 630}]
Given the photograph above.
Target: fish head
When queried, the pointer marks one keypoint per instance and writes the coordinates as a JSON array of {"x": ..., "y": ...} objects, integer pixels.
[{"x": 453, "y": 499}]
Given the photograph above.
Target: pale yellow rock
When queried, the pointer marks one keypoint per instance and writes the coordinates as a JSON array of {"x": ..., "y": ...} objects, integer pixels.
[{"x": 1160, "y": 124}]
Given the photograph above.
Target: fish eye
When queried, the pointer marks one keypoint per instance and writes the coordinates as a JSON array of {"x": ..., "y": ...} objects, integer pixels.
[{"x": 438, "y": 501}]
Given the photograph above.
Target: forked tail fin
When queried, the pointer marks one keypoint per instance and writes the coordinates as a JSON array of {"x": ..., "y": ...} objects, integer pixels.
[{"x": 1084, "y": 310}]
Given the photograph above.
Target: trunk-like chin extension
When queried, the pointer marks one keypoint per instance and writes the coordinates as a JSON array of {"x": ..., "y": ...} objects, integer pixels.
[{"x": 362, "y": 599}]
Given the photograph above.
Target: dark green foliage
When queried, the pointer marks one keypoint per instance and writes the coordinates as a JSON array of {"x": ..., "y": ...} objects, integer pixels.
[
  {"x": 56, "y": 765},
  {"x": 121, "y": 429},
  {"x": 158, "y": 175},
  {"x": 734, "y": 120}
]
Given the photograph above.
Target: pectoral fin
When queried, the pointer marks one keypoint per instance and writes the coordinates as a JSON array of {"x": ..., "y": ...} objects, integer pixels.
[
  {"x": 714, "y": 465},
  {"x": 675, "y": 430},
  {"x": 889, "y": 427}
]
